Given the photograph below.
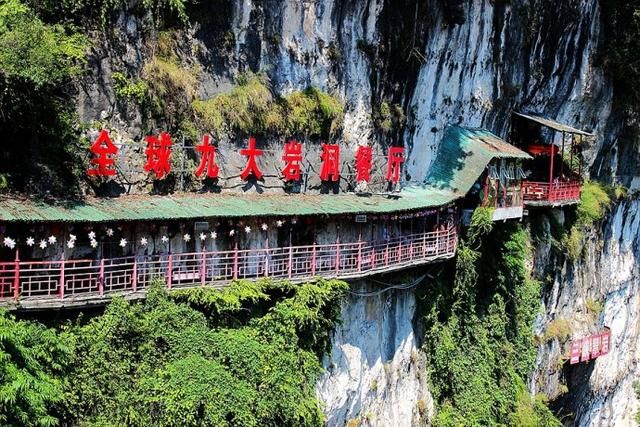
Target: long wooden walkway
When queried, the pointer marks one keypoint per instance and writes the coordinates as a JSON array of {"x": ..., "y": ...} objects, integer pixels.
[{"x": 69, "y": 283}]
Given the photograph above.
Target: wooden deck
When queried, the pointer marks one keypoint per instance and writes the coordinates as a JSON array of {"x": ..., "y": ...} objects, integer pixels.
[{"x": 43, "y": 285}]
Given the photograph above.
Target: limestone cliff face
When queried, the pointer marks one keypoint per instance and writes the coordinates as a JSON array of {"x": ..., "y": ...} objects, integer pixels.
[
  {"x": 469, "y": 62},
  {"x": 600, "y": 392},
  {"x": 375, "y": 374}
]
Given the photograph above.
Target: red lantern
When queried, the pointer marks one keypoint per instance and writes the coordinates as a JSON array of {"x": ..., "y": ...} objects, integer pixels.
[
  {"x": 252, "y": 166},
  {"x": 103, "y": 161},
  {"x": 208, "y": 159},
  {"x": 158, "y": 153},
  {"x": 292, "y": 157},
  {"x": 330, "y": 156}
]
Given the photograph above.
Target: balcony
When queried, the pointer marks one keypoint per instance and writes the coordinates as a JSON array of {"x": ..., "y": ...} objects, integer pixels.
[
  {"x": 67, "y": 283},
  {"x": 554, "y": 194}
]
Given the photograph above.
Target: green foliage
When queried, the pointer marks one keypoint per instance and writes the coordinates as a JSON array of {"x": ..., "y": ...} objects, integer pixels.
[
  {"x": 31, "y": 361},
  {"x": 533, "y": 412},
  {"x": 247, "y": 355},
  {"x": 558, "y": 329},
  {"x": 479, "y": 333},
  {"x": 595, "y": 201},
  {"x": 481, "y": 224},
  {"x": 135, "y": 90},
  {"x": 34, "y": 52},
  {"x": 171, "y": 84},
  {"x": 88, "y": 13},
  {"x": 37, "y": 63},
  {"x": 593, "y": 306},
  {"x": 251, "y": 108},
  {"x": 388, "y": 117}
]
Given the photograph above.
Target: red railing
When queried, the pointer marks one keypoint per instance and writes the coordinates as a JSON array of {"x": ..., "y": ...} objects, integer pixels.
[
  {"x": 554, "y": 192},
  {"x": 66, "y": 279}
]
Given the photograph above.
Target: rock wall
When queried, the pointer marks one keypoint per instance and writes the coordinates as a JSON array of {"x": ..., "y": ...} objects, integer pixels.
[
  {"x": 599, "y": 392},
  {"x": 375, "y": 374}
]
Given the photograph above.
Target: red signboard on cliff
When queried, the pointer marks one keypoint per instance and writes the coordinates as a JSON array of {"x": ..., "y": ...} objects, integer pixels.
[{"x": 590, "y": 347}]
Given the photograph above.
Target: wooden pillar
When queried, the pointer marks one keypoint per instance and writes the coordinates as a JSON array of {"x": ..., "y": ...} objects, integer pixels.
[
  {"x": 337, "y": 255},
  {"x": 313, "y": 259}
]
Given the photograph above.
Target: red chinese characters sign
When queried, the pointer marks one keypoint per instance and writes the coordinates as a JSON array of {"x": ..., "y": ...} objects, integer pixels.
[
  {"x": 207, "y": 159},
  {"x": 364, "y": 157},
  {"x": 158, "y": 152},
  {"x": 252, "y": 166},
  {"x": 104, "y": 151},
  {"x": 591, "y": 347},
  {"x": 292, "y": 157},
  {"x": 330, "y": 170},
  {"x": 394, "y": 164}
]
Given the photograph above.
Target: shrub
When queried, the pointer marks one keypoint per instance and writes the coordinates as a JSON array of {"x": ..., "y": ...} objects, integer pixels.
[
  {"x": 251, "y": 108},
  {"x": 135, "y": 90},
  {"x": 558, "y": 329}
]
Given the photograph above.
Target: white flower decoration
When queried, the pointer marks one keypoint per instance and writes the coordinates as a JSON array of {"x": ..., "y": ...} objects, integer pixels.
[
  {"x": 9, "y": 242},
  {"x": 52, "y": 240},
  {"x": 279, "y": 223},
  {"x": 186, "y": 237},
  {"x": 92, "y": 235},
  {"x": 144, "y": 241},
  {"x": 94, "y": 243},
  {"x": 31, "y": 241},
  {"x": 232, "y": 232},
  {"x": 43, "y": 244},
  {"x": 165, "y": 239},
  {"x": 109, "y": 232},
  {"x": 265, "y": 227},
  {"x": 71, "y": 244},
  {"x": 214, "y": 235},
  {"x": 247, "y": 229},
  {"x": 123, "y": 242},
  {"x": 203, "y": 236},
  {"x": 73, "y": 237}
]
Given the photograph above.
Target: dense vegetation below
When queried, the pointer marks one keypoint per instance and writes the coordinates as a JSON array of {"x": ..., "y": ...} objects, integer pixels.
[
  {"x": 245, "y": 356},
  {"x": 479, "y": 332}
]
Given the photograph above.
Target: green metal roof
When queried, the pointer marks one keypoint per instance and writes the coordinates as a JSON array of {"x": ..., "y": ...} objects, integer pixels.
[
  {"x": 190, "y": 205},
  {"x": 464, "y": 154},
  {"x": 552, "y": 124}
]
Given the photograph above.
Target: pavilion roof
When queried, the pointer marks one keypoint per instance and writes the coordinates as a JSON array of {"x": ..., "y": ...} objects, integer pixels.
[
  {"x": 464, "y": 154},
  {"x": 552, "y": 124}
]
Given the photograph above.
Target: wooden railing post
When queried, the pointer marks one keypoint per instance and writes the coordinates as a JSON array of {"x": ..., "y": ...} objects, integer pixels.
[
  {"x": 359, "y": 255},
  {"x": 337, "y": 256},
  {"x": 386, "y": 255},
  {"x": 235, "y": 261},
  {"x": 290, "y": 261},
  {"x": 169, "y": 271},
  {"x": 313, "y": 260},
  {"x": 203, "y": 267},
  {"x": 16, "y": 277},
  {"x": 101, "y": 278},
  {"x": 134, "y": 275},
  {"x": 266, "y": 262},
  {"x": 61, "y": 285}
]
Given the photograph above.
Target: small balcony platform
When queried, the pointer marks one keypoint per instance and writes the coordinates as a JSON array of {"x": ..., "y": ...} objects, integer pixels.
[{"x": 545, "y": 194}]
